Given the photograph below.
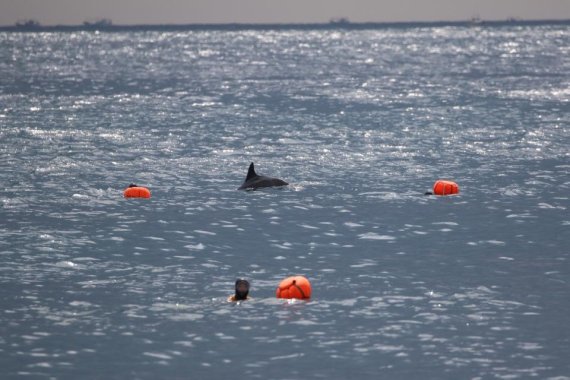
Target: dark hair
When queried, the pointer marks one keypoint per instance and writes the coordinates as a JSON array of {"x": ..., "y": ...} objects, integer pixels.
[{"x": 241, "y": 295}]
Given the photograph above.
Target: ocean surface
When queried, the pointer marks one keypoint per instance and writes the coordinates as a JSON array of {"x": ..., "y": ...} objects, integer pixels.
[{"x": 360, "y": 122}]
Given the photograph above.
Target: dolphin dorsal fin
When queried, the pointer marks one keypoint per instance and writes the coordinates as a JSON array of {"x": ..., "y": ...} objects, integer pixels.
[{"x": 251, "y": 172}]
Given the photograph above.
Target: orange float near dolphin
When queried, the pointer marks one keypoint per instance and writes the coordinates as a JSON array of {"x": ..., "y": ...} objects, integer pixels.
[
  {"x": 134, "y": 191},
  {"x": 297, "y": 287},
  {"x": 441, "y": 187}
]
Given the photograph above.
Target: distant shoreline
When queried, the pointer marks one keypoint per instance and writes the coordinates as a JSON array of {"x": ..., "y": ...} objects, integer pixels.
[{"x": 284, "y": 26}]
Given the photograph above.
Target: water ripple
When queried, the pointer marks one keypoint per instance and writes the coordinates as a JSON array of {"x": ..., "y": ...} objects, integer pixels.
[{"x": 361, "y": 123}]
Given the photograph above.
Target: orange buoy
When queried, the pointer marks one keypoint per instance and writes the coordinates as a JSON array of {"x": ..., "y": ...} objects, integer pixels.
[
  {"x": 441, "y": 187},
  {"x": 134, "y": 191},
  {"x": 294, "y": 287}
]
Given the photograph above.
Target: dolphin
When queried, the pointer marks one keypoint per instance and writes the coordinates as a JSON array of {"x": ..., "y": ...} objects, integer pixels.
[{"x": 254, "y": 181}]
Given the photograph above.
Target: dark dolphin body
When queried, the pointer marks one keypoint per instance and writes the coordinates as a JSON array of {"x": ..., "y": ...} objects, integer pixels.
[{"x": 254, "y": 181}]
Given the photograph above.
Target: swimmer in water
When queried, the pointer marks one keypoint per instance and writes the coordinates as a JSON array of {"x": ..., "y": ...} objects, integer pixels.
[{"x": 242, "y": 291}]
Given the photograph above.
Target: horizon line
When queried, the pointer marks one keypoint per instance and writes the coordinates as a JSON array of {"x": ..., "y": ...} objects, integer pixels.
[{"x": 106, "y": 24}]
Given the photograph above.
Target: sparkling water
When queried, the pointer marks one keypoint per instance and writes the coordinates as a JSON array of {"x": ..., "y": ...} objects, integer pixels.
[{"x": 360, "y": 122}]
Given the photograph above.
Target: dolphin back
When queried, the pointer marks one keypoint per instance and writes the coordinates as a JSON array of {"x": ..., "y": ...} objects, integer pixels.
[{"x": 255, "y": 181}]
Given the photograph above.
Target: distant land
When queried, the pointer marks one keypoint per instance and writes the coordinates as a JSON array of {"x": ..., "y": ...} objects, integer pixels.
[{"x": 107, "y": 25}]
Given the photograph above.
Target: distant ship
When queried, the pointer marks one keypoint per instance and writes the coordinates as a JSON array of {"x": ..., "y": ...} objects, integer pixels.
[
  {"x": 475, "y": 21},
  {"x": 339, "y": 21},
  {"x": 103, "y": 23},
  {"x": 28, "y": 24}
]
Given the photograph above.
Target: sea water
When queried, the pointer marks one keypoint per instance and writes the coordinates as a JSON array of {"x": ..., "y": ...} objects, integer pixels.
[{"x": 360, "y": 122}]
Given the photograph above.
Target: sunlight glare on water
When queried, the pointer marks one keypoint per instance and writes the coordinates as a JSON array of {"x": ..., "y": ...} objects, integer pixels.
[{"x": 360, "y": 122}]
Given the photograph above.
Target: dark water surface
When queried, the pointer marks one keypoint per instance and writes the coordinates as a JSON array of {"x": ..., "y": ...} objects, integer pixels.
[{"x": 361, "y": 123}]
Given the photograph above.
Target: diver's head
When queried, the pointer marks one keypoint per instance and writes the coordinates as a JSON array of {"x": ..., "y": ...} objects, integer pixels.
[{"x": 242, "y": 289}]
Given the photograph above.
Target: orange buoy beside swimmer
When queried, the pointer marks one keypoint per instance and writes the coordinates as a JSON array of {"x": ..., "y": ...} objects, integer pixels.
[
  {"x": 441, "y": 187},
  {"x": 294, "y": 287},
  {"x": 134, "y": 191}
]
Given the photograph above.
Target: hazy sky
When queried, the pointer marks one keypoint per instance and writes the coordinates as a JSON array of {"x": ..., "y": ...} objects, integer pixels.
[{"x": 50, "y": 12}]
